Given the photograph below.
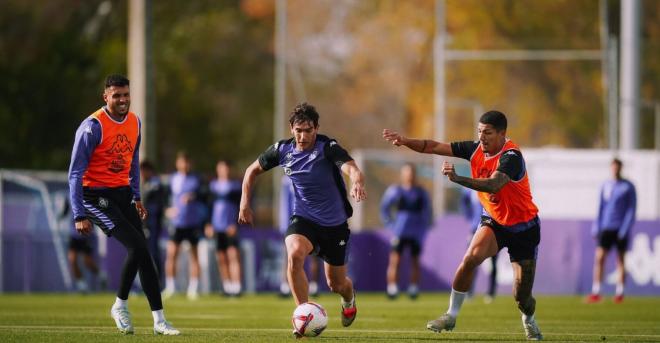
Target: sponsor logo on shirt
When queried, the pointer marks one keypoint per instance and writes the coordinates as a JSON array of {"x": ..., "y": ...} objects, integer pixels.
[
  {"x": 342, "y": 243},
  {"x": 313, "y": 155}
]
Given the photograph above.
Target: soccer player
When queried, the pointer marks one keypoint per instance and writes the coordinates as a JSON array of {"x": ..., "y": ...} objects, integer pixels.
[
  {"x": 80, "y": 246},
  {"x": 104, "y": 186},
  {"x": 154, "y": 195},
  {"x": 616, "y": 216},
  {"x": 510, "y": 217},
  {"x": 319, "y": 225},
  {"x": 226, "y": 196},
  {"x": 187, "y": 215},
  {"x": 472, "y": 211},
  {"x": 409, "y": 226}
]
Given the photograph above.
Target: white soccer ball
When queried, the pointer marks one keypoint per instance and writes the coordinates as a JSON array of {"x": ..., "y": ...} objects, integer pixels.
[{"x": 309, "y": 319}]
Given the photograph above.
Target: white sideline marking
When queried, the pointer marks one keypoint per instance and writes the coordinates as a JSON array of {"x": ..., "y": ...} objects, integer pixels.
[{"x": 47, "y": 328}]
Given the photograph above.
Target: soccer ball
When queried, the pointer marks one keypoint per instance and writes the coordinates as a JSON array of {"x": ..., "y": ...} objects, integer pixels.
[{"x": 309, "y": 319}]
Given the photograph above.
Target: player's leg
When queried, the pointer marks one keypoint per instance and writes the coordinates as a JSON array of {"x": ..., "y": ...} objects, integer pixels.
[
  {"x": 415, "y": 273},
  {"x": 221, "y": 257},
  {"x": 297, "y": 247},
  {"x": 340, "y": 283},
  {"x": 492, "y": 280},
  {"x": 79, "y": 283},
  {"x": 234, "y": 261},
  {"x": 285, "y": 290},
  {"x": 622, "y": 245},
  {"x": 313, "y": 276},
  {"x": 482, "y": 246},
  {"x": 599, "y": 265},
  {"x": 392, "y": 273},
  {"x": 193, "y": 282},
  {"x": 523, "y": 281},
  {"x": 172, "y": 254}
]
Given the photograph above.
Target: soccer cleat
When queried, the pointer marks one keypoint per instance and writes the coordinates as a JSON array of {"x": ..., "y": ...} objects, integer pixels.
[
  {"x": 593, "y": 299},
  {"x": 532, "y": 330},
  {"x": 444, "y": 322},
  {"x": 168, "y": 293},
  {"x": 122, "y": 319},
  {"x": 618, "y": 298},
  {"x": 348, "y": 314},
  {"x": 165, "y": 328},
  {"x": 192, "y": 296}
]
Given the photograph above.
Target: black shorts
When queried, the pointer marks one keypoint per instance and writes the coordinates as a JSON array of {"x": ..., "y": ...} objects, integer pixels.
[
  {"x": 110, "y": 207},
  {"x": 330, "y": 242},
  {"x": 609, "y": 238},
  {"x": 522, "y": 245},
  {"x": 223, "y": 241},
  {"x": 81, "y": 244},
  {"x": 399, "y": 244},
  {"x": 188, "y": 233}
]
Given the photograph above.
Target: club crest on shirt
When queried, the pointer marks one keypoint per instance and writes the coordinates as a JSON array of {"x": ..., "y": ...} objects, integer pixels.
[
  {"x": 103, "y": 203},
  {"x": 313, "y": 155},
  {"x": 287, "y": 171}
]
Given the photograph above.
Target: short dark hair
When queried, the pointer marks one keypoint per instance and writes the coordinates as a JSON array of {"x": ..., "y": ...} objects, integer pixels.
[
  {"x": 495, "y": 118},
  {"x": 304, "y": 112},
  {"x": 617, "y": 161},
  {"x": 147, "y": 165},
  {"x": 116, "y": 80},
  {"x": 182, "y": 154}
]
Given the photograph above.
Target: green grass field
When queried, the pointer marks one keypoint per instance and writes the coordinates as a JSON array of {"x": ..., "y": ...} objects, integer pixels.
[{"x": 266, "y": 318}]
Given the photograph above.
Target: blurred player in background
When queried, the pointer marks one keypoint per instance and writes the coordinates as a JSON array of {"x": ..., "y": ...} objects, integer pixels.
[
  {"x": 187, "y": 215},
  {"x": 80, "y": 247},
  {"x": 225, "y": 195},
  {"x": 286, "y": 211},
  {"x": 616, "y": 216},
  {"x": 472, "y": 211},
  {"x": 409, "y": 226},
  {"x": 154, "y": 198},
  {"x": 510, "y": 219},
  {"x": 104, "y": 186},
  {"x": 319, "y": 223}
]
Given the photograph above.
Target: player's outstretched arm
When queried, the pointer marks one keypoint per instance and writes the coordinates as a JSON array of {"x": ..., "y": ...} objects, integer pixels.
[
  {"x": 245, "y": 211},
  {"x": 492, "y": 184},
  {"x": 425, "y": 146},
  {"x": 358, "y": 191}
]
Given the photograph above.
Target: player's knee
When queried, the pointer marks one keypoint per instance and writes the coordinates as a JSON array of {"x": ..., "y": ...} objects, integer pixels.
[
  {"x": 296, "y": 258},
  {"x": 472, "y": 260}
]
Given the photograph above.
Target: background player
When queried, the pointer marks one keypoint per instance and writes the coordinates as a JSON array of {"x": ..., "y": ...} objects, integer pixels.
[
  {"x": 319, "y": 222},
  {"x": 409, "y": 225},
  {"x": 188, "y": 216},
  {"x": 616, "y": 216},
  {"x": 225, "y": 194},
  {"x": 499, "y": 174},
  {"x": 154, "y": 197}
]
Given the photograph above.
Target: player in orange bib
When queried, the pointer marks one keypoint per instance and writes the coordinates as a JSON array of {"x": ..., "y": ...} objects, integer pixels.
[
  {"x": 104, "y": 186},
  {"x": 509, "y": 220}
]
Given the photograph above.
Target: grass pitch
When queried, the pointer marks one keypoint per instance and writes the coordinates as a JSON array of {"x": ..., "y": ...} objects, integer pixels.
[{"x": 266, "y": 318}]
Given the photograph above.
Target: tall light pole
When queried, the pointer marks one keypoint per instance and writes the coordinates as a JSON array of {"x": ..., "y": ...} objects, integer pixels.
[
  {"x": 280, "y": 92},
  {"x": 630, "y": 25}
]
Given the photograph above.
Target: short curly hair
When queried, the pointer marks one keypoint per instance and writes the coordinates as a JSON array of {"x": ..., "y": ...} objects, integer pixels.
[{"x": 304, "y": 112}]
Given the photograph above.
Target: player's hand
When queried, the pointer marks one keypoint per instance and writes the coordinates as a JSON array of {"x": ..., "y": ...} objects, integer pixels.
[
  {"x": 393, "y": 137},
  {"x": 84, "y": 227},
  {"x": 448, "y": 169},
  {"x": 358, "y": 192},
  {"x": 245, "y": 216},
  {"x": 208, "y": 230},
  {"x": 142, "y": 212},
  {"x": 232, "y": 230}
]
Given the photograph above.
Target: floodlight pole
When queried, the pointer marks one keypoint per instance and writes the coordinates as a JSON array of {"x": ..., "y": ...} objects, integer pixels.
[
  {"x": 280, "y": 94},
  {"x": 140, "y": 72},
  {"x": 439, "y": 52},
  {"x": 630, "y": 50}
]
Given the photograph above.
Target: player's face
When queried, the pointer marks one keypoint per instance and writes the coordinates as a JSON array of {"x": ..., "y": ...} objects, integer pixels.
[
  {"x": 117, "y": 99},
  {"x": 305, "y": 134},
  {"x": 182, "y": 165},
  {"x": 222, "y": 169},
  {"x": 407, "y": 175},
  {"x": 616, "y": 170},
  {"x": 491, "y": 140}
]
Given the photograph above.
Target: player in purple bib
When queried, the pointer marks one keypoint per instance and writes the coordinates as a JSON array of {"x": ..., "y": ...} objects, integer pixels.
[{"x": 314, "y": 164}]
